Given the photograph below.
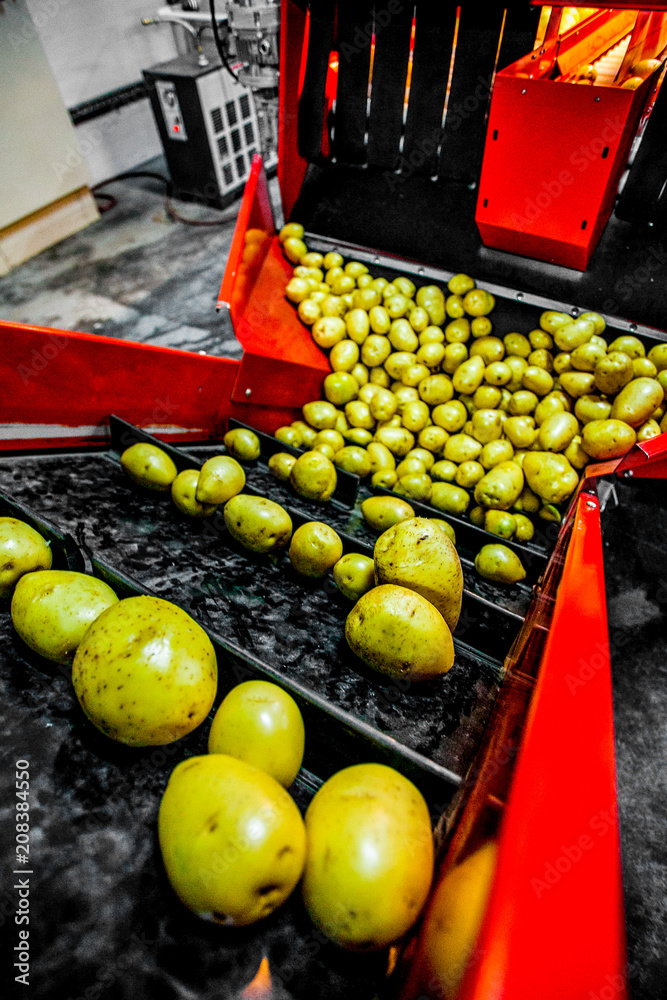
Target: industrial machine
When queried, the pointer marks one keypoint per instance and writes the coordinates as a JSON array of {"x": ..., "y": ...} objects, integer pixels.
[
  {"x": 371, "y": 169},
  {"x": 214, "y": 108}
]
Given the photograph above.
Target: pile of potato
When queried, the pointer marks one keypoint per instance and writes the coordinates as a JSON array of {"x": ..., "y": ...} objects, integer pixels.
[{"x": 425, "y": 399}]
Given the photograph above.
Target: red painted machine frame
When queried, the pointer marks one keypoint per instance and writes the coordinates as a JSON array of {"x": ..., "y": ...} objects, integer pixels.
[{"x": 555, "y": 151}]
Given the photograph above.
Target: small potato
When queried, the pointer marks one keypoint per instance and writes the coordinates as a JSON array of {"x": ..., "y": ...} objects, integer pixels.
[
  {"x": 344, "y": 356},
  {"x": 22, "y": 550},
  {"x": 522, "y": 403},
  {"x": 557, "y": 431},
  {"x": 537, "y": 380},
  {"x": 578, "y": 384},
  {"x": 354, "y": 575},
  {"x": 183, "y": 494},
  {"x": 462, "y": 448},
  {"x": 612, "y": 372},
  {"x": 450, "y": 416},
  {"x": 398, "y": 440},
  {"x": 469, "y": 474},
  {"x": 449, "y": 498},
  {"x": 315, "y": 548},
  {"x": 498, "y": 563},
  {"x": 432, "y": 438},
  {"x": 550, "y": 476},
  {"x": 384, "y": 479},
  {"x": 571, "y": 335},
  {"x": 468, "y": 376},
  {"x": 149, "y": 466},
  {"x": 487, "y": 425},
  {"x": 353, "y": 459},
  {"x": 490, "y": 349},
  {"x": 494, "y": 453},
  {"x": 414, "y": 486},
  {"x": 381, "y": 513},
  {"x": 307, "y": 433},
  {"x": 436, "y": 389},
  {"x": 629, "y": 345},
  {"x": 280, "y": 465},
  {"x": 500, "y": 487},
  {"x": 341, "y": 388},
  {"x": 521, "y": 431},
  {"x": 416, "y": 415},
  {"x": 517, "y": 345},
  {"x": 328, "y": 331},
  {"x": 380, "y": 457},
  {"x": 500, "y": 522},
  {"x": 288, "y": 435},
  {"x": 445, "y": 471},
  {"x": 314, "y": 476},
  {"x": 320, "y": 414},
  {"x": 257, "y": 523},
  {"x": 358, "y": 414}
]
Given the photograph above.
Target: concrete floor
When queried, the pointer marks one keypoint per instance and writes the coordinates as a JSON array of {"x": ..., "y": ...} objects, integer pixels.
[{"x": 134, "y": 274}]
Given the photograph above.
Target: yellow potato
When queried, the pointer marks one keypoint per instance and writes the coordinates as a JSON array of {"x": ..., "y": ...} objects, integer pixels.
[
  {"x": 257, "y": 523},
  {"x": 280, "y": 465},
  {"x": 220, "y": 479},
  {"x": 500, "y": 487},
  {"x": 354, "y": 575},
  {"x": 498, "y": 563},
  {"x": 602, "y": 439},
  {"x": 149, "y": 466},
  {"x": 22, "y": 550},
  {"x": 550, "y": 476},
  {"x": 232, "y": 839},
  {"x": 369, "y": 861},
  {"x": 416, "y": 554},
  {"x": 637, "y": 400},
  {"x": 314, "y": 549},
  {"x": 145, "y": 672},
  {"x": 314, "y": 476},
  {"x": 399, "y": 633},
  {"x": 557, "y": 431}
]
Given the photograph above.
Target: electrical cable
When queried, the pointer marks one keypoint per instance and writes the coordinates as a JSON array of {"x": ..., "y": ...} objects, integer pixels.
[
  {"x": 169, "y": 208},
  {"x": 218, "y": 43}
]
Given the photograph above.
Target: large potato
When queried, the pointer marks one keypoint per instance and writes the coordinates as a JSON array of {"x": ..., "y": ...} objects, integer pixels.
[
  {"x": 22, "y": 550},
  {"x": 369, "y": 861},
  {"x": 52, "y": 609},
  {"x": 145, "y": 672},
  {"x": 602, "y": 439},
  {"x": 399, "y": 633},
  {"x": 149, "y": 466},
  {"x": 637, "y": 401},
  {"x": 232, "y": 840},
  {"x": 417, "y": 554}
]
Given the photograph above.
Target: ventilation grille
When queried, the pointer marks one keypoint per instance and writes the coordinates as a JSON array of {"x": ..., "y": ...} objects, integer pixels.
[{"x": 216, "y": 118}]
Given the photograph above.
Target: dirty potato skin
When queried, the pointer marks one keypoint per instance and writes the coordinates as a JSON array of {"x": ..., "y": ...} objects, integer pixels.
[
  {"x": 369, "y": 861},
  {"x": 145, "y": 673},
  {"x": 399, "y": 633},
  {"x": 51, "y": 610},
  {"x": 232, "y": 839},
  {"x": 417, "y": 554},
  {"x": 22, "y": 550}
]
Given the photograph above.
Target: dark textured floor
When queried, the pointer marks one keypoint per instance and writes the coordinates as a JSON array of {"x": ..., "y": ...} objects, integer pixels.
[{"x": 139, "y": 276}]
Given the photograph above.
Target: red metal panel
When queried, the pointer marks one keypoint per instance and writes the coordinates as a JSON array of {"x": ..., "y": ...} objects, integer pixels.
[
  {"x": 554, "y": 927},
  {"x": 553, "y": 157},
  {"x": 648, "y": 459},
  {"x": 252, "y": 235},
  {"x": 293, "y": 44},
  {"x": 59, "y": 388}
]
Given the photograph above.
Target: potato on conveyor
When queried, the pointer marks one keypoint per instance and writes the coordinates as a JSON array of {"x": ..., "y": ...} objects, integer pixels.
[
  {"x": 22, "y": 550},
  {"x": 149, "y": 466}
]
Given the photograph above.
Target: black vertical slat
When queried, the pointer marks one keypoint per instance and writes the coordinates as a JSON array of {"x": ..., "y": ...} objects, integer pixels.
[
  {"x": 354, "y": 35},
  {"x": 519, "y": 33},
  {"x": 465, "y": 124},
  {"x": 428, "y": 86},
  {"x": 312, "y": 102},
  {"x": 390, "y": 67},
  {"x": 640, "y": 200}
]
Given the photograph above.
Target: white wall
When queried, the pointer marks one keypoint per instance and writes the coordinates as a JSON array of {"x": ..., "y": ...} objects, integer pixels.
[{"x": 94, "y": 46}]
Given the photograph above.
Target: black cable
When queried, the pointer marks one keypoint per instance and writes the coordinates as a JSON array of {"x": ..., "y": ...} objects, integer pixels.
[
  {"x": 218, "y": 43},
  {"x": 169, "y": 208}
]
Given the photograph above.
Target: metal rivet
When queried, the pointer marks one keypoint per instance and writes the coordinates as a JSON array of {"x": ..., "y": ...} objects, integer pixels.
[
  {"x": 248, "y": 392},
  {"x": 519, "y": 295},
  {"x": 650, "y": 224},
  {"x": 629, "y": 473},
  {"x": 597, "y": 99},
  {"x": 376, "y": 260},
  {"x": 591, "y": 504},
  {"x": 420, "y": 270},
  {"x": 633, "y": 327},
  {"x": 574, "y": 311},
  {"x": 523, "y": 91}
]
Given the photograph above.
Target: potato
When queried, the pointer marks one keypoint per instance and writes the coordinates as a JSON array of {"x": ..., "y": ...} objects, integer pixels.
[
  {"x": 22, "y": 550},
  {"x": 550, "y": 476},
  {"x": 417, "y": 554},
  {"x": 243, "y": 444},
  {"x": 381, "y": 513},
  {"x": 602, "y": 439},
  {"x": 281, "y": 464},
  {"x": 369, "y": 860},
  {"x": 145, "y": 672},
  {"x": 449, "y": 498},
  {"x": 220, "y": 479},
  {"x": 500, "y": 487},
  {"x": 261, "y": 724},
  {"x": 314, "y": 476},
  {"x": 314, "y": 549},
  {"x": 353, "y": 459},
  {"x": 397, "y": 632},
  {"x": 258, "y": 524},
  {"x": 52, "y": 609},
  {"x": 557, "y": 431},
  {"x": 232, "y": 839},
  {"x": 149, "y": 466},
  {"x": 498, "y": 563},
  {"x": 637, "y": 400},
  {"x": 612, "y": 372}
]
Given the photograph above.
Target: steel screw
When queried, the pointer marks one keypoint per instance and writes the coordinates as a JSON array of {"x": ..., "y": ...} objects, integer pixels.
[{"x": 248, "y": 392}]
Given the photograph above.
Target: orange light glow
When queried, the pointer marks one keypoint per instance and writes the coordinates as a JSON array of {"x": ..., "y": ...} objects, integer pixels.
[{"x": 259, "y": 988}]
